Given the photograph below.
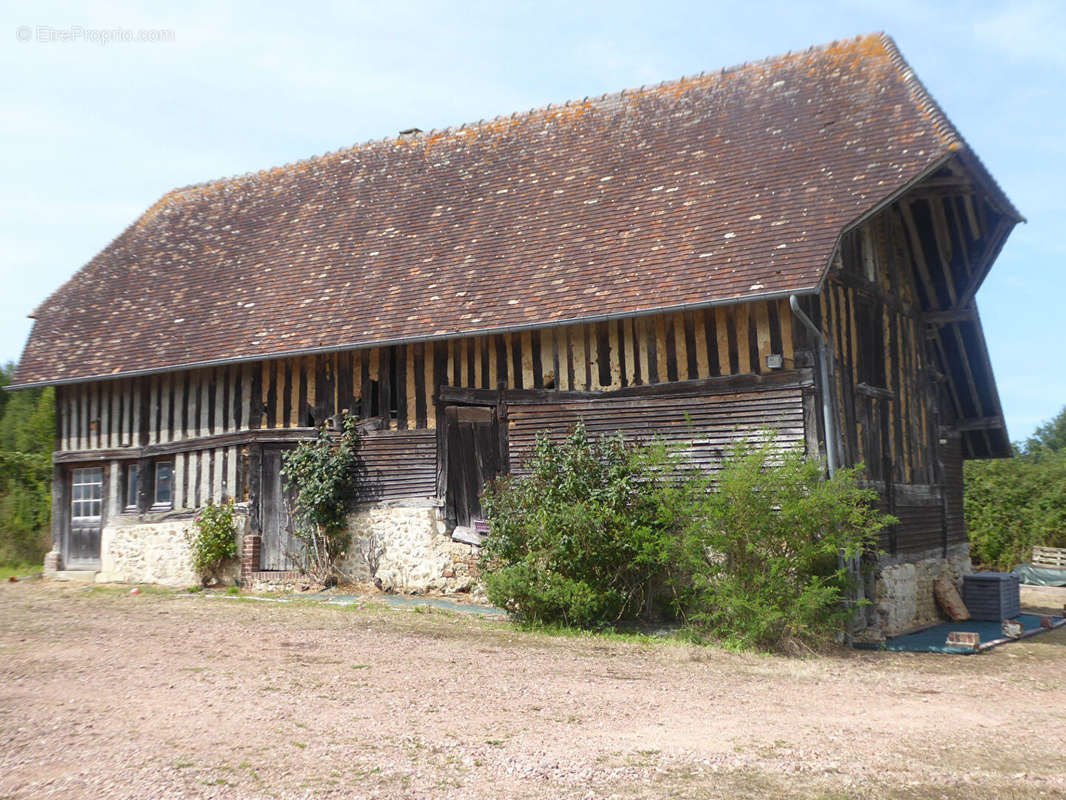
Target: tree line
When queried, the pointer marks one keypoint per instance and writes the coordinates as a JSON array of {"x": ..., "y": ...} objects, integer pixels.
[
  {"x": 27, "y": 436},
  {"x": 1015, "y": 503}
]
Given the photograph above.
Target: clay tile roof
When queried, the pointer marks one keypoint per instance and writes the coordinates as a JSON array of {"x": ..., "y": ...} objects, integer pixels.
[{"x": 726, "y": 185}]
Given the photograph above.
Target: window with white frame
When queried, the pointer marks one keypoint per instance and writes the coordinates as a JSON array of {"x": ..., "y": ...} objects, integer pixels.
[
  {"x": 87, "y": 486},
  {"x": 164, "y": 480}
]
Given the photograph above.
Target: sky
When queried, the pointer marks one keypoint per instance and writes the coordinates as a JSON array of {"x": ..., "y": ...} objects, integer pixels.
[{"x": 95, "y": 125}]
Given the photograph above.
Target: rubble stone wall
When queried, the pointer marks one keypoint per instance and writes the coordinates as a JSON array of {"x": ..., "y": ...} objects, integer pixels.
[
  {"x": 905, "y": 589},
  {"x": 154, "y": 552},
  {"x": 408, "y": 549}
]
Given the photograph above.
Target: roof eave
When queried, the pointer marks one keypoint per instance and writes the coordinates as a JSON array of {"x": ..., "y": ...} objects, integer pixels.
[{"x": 585, "y": 320}]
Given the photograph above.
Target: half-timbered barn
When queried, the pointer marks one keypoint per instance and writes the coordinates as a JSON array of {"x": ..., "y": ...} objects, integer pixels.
[{"x": 792, "y": 245}]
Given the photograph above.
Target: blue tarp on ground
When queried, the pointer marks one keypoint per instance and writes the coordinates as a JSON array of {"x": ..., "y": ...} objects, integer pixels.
[
  {"x": 932, "y": 640},
  {"x": 1040, "y": 576}
]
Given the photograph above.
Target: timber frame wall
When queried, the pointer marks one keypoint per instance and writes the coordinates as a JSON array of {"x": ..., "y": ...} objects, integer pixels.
[
  {"x": 912, "y": 384},
  {"x": 211, "y": 421}
]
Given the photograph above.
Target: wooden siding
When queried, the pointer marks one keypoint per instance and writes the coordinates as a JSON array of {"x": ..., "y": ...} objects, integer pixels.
[
  {"x": 921, "y": 527},
  {"x": 705, "y": 424},
  {"x": 893, "y": 400},
  {"x": 399, "y": 383},
  {"x": 398, "y": 465}
]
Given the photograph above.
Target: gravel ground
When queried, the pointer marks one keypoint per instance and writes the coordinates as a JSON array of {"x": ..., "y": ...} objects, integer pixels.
[{"x": 108, "y": 695}]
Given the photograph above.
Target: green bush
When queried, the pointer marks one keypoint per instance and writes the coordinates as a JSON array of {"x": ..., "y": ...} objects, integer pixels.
[
  {"x": 579, "y": 540},
  {"x": 1014, "y": 504},
  {"x": 215, "y": 540},
  {"x": 771, "y": 538},
  {"x": 600, "y": 531}
]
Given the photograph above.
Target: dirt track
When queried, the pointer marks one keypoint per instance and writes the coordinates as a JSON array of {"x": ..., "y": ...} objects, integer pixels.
[{"x": 155, "y": 696}]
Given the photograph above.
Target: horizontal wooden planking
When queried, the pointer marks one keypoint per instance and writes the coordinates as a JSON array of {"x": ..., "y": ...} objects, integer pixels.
[
  {"x": 921, "y": 527},
  {"x": 398, "y": 464},
  {"x": 708, "y": 425},
  {"x": 1049, "y": 557}
]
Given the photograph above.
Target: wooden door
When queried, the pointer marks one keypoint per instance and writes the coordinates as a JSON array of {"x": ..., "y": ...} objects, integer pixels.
[
  {"x": 473, "y": 456},
  {"x": 82, "y": 550},
  {"x": 279, "y": 550}
]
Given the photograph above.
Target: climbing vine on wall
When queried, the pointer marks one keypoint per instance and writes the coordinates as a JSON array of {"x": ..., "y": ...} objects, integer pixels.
[{"x": 319, "y": 479}]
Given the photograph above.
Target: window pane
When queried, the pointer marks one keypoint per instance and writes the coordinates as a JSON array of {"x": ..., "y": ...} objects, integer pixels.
[
  {"x": 162, "y": 483},
  {"x": 86, "y": 492}
]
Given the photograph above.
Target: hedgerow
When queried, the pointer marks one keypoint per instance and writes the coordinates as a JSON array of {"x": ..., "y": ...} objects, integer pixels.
[{"x": 1015, "y": 503}]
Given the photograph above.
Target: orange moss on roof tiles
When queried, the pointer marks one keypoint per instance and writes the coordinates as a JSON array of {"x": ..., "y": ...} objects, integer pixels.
[
  {"x": 697, "y": 165},
  {"x": 859, "y": 54}
]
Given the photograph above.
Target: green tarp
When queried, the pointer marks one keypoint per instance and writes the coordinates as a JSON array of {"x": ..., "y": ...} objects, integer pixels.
[{"x": 1040, "y": 576}]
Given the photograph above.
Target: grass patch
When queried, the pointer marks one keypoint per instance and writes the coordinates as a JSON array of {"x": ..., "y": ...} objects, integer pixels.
[{"x": 19, "y": 570}]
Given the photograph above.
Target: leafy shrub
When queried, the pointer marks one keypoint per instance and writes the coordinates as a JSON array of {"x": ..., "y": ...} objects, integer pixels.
[
  {"x": 600, "y": 531},
  {"x": 215, "y": 540},
  {"x": 578, "y": 540},
  {"x": 1047, "y": 438},
  {"x": 772, "y": 537},
  {"x": 319, "y": 476}
]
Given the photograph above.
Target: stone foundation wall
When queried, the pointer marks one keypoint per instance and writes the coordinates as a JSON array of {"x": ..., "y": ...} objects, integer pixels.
[
  {"x": 905, "y": 588},
  {"x": 408, "y": 549},
  {"x": 155, "y": 552},
  {"x": 397, "y": 548}
]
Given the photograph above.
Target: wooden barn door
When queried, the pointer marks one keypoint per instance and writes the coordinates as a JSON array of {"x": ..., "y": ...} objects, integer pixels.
[
  {"x": 280, "y": 550},
  {"x": 473, "y": 456},
  {"x": 82, "y": 550}
]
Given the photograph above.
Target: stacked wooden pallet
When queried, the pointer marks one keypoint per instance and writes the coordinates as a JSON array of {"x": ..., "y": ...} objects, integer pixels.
[{"x": 1049, "y": 557}]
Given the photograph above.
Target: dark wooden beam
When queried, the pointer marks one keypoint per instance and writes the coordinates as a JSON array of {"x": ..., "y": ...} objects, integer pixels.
[
  {"x": 944, "y": 250},
  {"x": 950, "y": 315},
  {"x": 956, "y": 183},
  {"x": 995, "y": 243},
  {"x": 980, "y": 424},
  {"x": 875, "y": 391},
  {"x": 914, "y": 242},
  {"x": 261, "y": 436},
  {"x": 728, "y": 384}
]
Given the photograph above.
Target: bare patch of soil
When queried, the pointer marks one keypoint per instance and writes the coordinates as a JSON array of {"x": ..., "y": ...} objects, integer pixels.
[{"x": 108, "y": 695}]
